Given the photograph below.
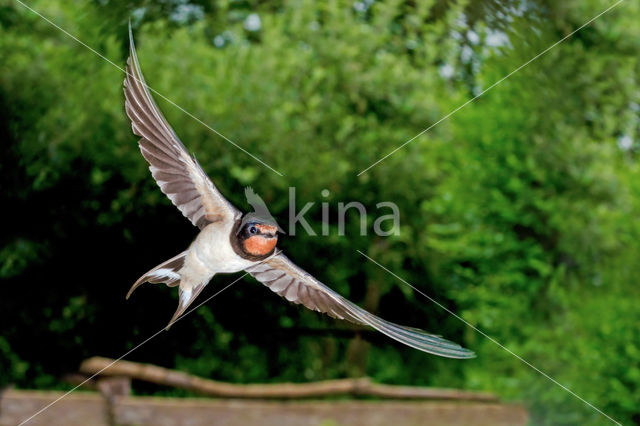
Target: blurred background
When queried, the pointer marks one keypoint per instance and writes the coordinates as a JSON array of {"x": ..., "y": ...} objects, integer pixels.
[{"x": 519, "y": 212}]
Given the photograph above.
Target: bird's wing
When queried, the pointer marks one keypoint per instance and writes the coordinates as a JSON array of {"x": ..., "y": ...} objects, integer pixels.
[
  {"x": 294, "y": 284},
  {"x": 178, "y": 174}
]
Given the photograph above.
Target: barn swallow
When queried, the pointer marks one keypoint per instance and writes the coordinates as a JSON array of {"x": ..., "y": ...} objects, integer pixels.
[{"x": 230, "y": 241}]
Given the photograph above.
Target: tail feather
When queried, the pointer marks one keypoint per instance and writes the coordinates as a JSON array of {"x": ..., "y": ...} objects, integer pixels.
[
  {"x": 187, "y": 296},
  {"x": 166, "y": 272}
]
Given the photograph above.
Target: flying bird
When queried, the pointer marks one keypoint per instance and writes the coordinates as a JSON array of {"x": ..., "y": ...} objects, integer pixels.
[
  {"x": 260, "y": 209},
  {"x": 230, "y": 241}
]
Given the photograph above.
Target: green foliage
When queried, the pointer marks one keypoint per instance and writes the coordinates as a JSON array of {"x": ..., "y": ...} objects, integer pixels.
[{"x": 518, "y": 212}]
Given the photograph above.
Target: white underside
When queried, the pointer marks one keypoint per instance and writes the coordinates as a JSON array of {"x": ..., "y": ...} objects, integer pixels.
[{"x": 211, "y": 253}]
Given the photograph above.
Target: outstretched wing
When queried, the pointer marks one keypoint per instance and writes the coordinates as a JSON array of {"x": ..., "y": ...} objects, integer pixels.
[
  {"x": 178, "y": 174},
  {"x": 294, "y": 284}
]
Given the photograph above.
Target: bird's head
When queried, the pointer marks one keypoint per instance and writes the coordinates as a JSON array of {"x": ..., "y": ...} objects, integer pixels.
[{"x": 258, "y": 238}]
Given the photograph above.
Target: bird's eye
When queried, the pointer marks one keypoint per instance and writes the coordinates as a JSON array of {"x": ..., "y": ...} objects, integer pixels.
[{"x": 253, "y": 230}]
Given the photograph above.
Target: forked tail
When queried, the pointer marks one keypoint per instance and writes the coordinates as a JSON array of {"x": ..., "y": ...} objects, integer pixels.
[
  {"x": 166, "y": 272},
  {"x": 169, "y": 273},
  {"x": 188, "y": 294}
]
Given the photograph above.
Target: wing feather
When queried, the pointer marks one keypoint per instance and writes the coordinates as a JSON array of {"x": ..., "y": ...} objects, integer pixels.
[
  {"x": 294, "y": 284},
  {"x": 179, "y": 175}
]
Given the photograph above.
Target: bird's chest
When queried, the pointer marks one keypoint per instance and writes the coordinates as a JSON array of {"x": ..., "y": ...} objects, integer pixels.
[{"x": 212, "y": 247}]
